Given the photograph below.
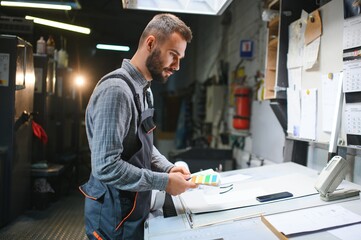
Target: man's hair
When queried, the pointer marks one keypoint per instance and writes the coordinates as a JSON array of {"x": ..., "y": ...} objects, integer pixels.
[{"x": 163, "y": 25}]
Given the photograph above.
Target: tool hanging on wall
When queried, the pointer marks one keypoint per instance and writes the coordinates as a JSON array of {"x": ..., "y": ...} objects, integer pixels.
[{"x": 39, "y": 132}]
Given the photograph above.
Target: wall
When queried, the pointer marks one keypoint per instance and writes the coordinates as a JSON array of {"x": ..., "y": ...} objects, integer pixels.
[
  {"x": 330, "y": 60},
  {"x": 215, "y": 41},
  {"x": 317, "y": 159}
]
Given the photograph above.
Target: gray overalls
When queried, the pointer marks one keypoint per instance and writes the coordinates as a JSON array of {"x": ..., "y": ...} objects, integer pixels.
[{"x": 115, "y": 214}]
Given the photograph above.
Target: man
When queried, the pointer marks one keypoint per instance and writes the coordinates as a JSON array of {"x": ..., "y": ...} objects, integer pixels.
[{"x": 125, "y": 164}]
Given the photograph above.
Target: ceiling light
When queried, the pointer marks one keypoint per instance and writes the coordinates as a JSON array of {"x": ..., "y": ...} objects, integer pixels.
[
  {"x": 79, "y": 80},
  {"x": 43, "y": 4},
  {"x": 113, "y": 47},
  {"x": 60, "y": 25},
  {"x": 206, "y": 7}
]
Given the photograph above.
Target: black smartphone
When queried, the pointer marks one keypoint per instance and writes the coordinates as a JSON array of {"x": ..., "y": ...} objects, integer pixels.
[{"x": 274, "y": 196}]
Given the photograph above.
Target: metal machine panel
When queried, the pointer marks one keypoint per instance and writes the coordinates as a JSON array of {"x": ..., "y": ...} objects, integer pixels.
[{"x": 16, "y": 104}]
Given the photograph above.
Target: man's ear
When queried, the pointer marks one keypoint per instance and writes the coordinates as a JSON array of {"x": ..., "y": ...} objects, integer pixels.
[{"x": 150, "y": 42}]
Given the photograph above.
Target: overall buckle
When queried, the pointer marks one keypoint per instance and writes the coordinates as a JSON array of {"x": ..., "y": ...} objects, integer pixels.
[{"x": 148, "y": 125}]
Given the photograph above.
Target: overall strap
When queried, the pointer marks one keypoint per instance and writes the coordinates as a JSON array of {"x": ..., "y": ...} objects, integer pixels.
[{"x": 131, "y": 86}]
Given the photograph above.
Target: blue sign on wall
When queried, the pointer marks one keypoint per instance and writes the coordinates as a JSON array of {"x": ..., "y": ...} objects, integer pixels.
[{"x": 246, "y": 49}]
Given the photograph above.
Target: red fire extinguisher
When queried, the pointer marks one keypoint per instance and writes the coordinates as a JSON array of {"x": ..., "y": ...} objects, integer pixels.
[{"x": 241, "y": 119}]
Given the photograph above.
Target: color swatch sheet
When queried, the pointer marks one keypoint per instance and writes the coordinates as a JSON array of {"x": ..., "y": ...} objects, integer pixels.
[{"x": 208, "y": 179}]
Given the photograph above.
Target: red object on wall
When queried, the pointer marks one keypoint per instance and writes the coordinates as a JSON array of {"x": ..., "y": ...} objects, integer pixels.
[
  {"x": 39, "y": 132},
  {"x": 241, "y": 119}
]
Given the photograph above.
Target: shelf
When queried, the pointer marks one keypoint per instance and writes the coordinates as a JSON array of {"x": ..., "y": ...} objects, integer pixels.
[
  {"x": 273, "y": 4},
  {"x": 270, "y": 79},
  {"x": 271, "y": 58},
  {"x": 273, "y": 43},
  {"x": 269, "y": 94},
  {"x": 273, "y": 32},
  {"x": 271, "y": 52},
  {"x": 274, "y": 22},
  {"x": 322, "y": 145}
]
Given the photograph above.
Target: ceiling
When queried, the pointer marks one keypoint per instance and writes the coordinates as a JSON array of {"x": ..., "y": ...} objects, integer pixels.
[
  {"x": 107, "y": 19},
  {"x": 109, "y": 23}
]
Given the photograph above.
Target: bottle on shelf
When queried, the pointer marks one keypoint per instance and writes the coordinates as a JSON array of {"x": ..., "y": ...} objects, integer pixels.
[
  {"x": 41, "y": 46},
  {"x": 63, "y": 55},
  {"x": 50, "y": 46}
]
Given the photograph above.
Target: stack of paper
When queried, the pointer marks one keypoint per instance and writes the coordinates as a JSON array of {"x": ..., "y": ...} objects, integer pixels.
[{"x": 309, "y": 220}]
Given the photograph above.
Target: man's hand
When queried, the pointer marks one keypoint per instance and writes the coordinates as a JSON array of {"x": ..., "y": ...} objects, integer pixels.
[
  {"x": 178, "y": 183},
  {"x": 180, "y": 169}
]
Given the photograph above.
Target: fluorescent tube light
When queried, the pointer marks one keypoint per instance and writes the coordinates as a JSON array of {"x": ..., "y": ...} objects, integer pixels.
[
  {"x": 206, "y": 7},
  {"x": 36, "y": 5},
  {"x": 60, "y": 25},
  {"x": 113, "y": 47}
]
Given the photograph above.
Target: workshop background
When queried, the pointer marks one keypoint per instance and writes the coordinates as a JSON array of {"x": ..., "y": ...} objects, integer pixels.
[{"x": 210, "y": 114}]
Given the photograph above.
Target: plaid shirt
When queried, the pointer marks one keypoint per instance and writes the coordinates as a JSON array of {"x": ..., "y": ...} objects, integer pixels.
[{"x": 111, "y": 126}]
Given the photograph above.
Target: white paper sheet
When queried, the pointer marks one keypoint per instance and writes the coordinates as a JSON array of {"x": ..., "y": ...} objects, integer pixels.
[
  {"x": 242, "y": 194},
  {"x": 352, "y": 232},
  {"x": 294, "y": 101},
  {"x": 352, "y": 32},
  {"x": 234, "y": 178},
  {"x": 214, "y": 196},
  {"x": 296, "y": 41},
  {"x": 295, "y": 78},
  {"x": 352, "y": 76},
  {"x": 310, "y": 54},
  {"x": 329, "y": 93},
  {"x": 312, "y": 219},
  {"x": 352, "y": 118},
  {"x": 308, "y": 113},
  {"x": 293, "y": 112}
]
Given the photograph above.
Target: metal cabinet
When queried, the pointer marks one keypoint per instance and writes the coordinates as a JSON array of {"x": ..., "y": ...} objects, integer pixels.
[{"x": 16, "y": 105}]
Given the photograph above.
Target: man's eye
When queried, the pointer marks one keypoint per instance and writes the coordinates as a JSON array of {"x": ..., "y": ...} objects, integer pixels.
[{"x": 175, "y": 56}]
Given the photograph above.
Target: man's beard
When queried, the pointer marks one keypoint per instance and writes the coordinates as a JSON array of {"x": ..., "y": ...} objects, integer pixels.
[{"x": 154, "y": 65}]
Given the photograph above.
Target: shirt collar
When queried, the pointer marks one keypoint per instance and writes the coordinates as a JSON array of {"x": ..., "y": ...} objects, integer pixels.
[{"x": 135, "y": 74}]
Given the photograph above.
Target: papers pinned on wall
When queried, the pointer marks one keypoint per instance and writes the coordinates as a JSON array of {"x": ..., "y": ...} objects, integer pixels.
[
  {"x": 294, "y": 112},
  {"x": 310, "y": 57},
  {"x": 352, "y": 76},
  {"x": 303, "y": 53},
  {"x": 329, "y": 92},
  {"x": 294, "y": 101},
  {"x": 304, "y": 41},
  {"x": 308, "y": 113},
  {"x": 352, "y": 119},
  {"x": 296, "y": 41},
  {"x": 314, "y": 27},
  {"x": 352, "y": 32}
]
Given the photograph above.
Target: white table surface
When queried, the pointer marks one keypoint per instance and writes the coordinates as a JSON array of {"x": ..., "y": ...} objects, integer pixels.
[{"x": 158, "y": 228}]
